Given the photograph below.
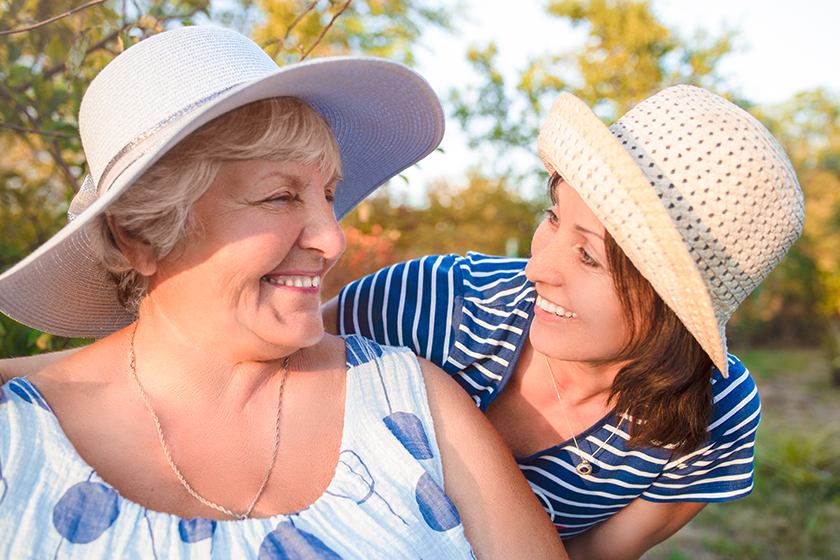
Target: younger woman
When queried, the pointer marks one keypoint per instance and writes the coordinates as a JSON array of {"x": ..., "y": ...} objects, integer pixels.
[{"x": 602, "y": 360}]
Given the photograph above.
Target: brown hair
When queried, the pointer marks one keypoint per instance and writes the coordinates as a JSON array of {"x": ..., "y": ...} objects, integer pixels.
[{"x": 665, "y": 387}]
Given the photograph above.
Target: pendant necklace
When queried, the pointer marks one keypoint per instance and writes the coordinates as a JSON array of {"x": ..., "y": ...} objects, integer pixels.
[
  {"x": 163, "y": 443},
  {"x": 584, "y": 468}
]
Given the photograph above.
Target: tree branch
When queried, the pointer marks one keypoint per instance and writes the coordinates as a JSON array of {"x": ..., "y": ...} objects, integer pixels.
[
  {"x": 52, "y": 19},
  {"x": 4, "y": 93},
  {"x": 292, "y": 26},
  {"x": 48, "y": 73},
  {"x": 41, "y": 132},
  {"x": 68, "y": 176},
  {"x": 326, "y": 28},
  {"x": 102, "y": 44}
]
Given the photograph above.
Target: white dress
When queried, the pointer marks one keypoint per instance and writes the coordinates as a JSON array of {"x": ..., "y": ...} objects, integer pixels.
[{"x": 386, "y": 498}]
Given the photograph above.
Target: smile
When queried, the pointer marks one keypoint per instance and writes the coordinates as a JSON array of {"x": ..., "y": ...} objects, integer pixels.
[
  {"x": 294, "y": 281},
  {"x": 550, "y": 307}
]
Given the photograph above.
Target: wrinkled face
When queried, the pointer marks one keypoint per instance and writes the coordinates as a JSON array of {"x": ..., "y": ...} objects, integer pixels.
[
  {"x": 578, "y": 316},
  {"x": 247, "y": 282}
]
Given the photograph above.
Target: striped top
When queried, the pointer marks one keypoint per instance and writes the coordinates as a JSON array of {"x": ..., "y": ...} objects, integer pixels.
[{"x": 470, "y": 316}]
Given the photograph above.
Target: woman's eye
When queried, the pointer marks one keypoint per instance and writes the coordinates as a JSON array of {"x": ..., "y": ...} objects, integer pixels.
[
  {"x": 281, "y": 198},
  {"x": 552, "y": 217},
  {"x": 586, "y": 258}
]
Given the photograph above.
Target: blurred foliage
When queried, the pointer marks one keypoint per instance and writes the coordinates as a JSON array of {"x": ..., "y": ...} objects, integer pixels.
[
  {"x": 799, "y": 299},
  {"x": 43, "y": 73},
  {"x": 386, "y": 28},
  {"x": 766, "y": 365},
  {"x": 367, "y": 251},
  {"x": 627, "y": 55}
]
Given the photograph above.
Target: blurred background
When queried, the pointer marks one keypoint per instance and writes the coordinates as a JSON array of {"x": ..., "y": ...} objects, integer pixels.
[{"x": 497, "y": 66}]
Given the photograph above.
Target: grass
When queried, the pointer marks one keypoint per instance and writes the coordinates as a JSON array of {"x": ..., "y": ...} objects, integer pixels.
[
  {"x": 767, "y": 364},
  {"x": 794, "y": 510}
]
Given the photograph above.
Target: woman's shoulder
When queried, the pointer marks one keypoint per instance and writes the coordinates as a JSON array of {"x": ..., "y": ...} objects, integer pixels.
[
  {"x": 21, "y": 390},
  {"x": 738, "y": 382},
  {"x": 737, "y": 406}
]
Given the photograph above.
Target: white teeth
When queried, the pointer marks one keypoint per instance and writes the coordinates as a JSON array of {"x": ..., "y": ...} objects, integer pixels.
[
  {"x": 550, "y": 307},
  {"x": 296, "y": 281}
]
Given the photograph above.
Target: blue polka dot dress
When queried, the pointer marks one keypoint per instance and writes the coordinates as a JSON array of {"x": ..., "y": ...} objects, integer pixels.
[{"x": 386, "y": 499}]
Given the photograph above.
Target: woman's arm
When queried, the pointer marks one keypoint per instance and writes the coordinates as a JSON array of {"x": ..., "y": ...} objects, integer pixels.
[
  {"x": 501, "y": 516},
  {"x": 21, "y": 367},
  {"x": 632, "y": 531}
]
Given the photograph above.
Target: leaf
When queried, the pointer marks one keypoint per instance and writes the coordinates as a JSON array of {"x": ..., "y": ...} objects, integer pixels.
[
  {"x": 43, "y": 341},
  {"x": 77, "y": 52}
]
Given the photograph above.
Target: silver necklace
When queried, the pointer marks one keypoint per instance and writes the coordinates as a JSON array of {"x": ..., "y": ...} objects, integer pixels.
[
  {"x": 584, "y": 468},
  {"x": 163, "y": 443}
]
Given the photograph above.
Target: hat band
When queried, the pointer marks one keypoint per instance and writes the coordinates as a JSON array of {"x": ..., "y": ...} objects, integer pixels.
[
  {"x": 83, "y": 199},
  {"x": 139, "y": 146}
]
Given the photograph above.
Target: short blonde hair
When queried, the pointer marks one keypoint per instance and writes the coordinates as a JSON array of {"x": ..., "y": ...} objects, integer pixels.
[{"x": 156, "y": 209}]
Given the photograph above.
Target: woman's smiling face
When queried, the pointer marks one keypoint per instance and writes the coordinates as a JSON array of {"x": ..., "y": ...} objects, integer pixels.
[
  {"x": 248, "y": 280},
  {"x": 578, "y": 316}
]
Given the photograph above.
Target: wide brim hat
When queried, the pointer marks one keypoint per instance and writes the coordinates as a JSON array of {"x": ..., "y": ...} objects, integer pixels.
[
  {"x": 696, "y": 192},
  {"x": 385, "y": 118}
]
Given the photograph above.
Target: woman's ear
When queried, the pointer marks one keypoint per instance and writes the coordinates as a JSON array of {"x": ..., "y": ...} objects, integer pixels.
[{"x": 134, "y": 250}]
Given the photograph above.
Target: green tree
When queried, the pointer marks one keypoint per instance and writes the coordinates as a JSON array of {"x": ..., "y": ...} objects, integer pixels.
[
  {"x": 485, "y": 215},
  {"x": 802, "y": 296},
  {"x": 385, "y": 28},
  {"x": 628, "y": 56},
  {"x": 44, "y": 70}
]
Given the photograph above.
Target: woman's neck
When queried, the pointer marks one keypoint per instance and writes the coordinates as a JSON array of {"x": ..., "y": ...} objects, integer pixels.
[
  {"x": 531, "y": 416},
  {"x": 171, "y": 362},
  {"x": 580, "y": 383}
]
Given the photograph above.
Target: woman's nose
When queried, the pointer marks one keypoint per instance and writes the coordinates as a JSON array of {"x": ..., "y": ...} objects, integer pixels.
[
  {"x": 323, "y": 233},
  {"x": 546, "y": 263}
]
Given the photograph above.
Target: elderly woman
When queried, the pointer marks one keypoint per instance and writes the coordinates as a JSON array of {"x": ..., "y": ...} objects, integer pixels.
[
  {"x": 602, "y": 359},
  {"x": 196, "y": 254}
]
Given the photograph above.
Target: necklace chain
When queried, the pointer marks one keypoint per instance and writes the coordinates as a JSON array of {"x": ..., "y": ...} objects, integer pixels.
[
  {"x": 165, "y": 446},
  {"x": 584, "y": 468}
]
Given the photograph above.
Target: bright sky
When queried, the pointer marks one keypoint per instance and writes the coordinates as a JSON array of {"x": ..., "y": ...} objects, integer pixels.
[{"x": 784, "y": 47}]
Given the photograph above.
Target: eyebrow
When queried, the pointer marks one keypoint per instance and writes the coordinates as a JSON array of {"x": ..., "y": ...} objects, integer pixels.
[
  {"x": 276, "y": 174},
  {"x": 584, "y": 230},
  {"x": 296, "y": 181}
]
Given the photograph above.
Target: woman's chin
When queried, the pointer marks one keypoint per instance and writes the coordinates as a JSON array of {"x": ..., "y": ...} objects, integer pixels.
[{"x": 296, "y": 334}]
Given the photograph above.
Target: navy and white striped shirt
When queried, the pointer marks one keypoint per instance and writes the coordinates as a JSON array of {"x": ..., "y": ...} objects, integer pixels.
[{"x": 470, "y": 316}]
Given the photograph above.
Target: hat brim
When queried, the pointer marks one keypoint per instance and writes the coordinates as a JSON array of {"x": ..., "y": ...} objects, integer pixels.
[
  {"x": 576, "y": 144},
  {"x": 384, "y": 116}
]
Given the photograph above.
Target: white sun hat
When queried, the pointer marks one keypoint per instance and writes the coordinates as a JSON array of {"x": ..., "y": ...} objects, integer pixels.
[
  {"x": 695, "y": 191},
  {"x": 384, "y": 116}
]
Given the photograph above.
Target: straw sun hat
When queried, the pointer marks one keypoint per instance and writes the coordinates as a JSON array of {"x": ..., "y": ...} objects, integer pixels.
[
  {"x": 695, "y": 191},
  {"x": 384, "y": 116}
]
